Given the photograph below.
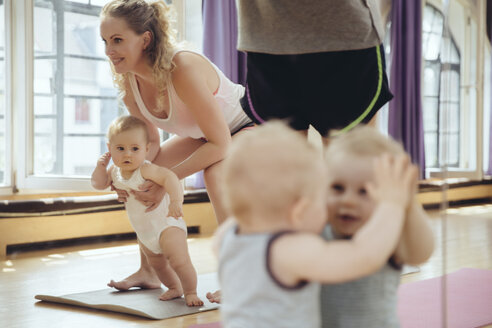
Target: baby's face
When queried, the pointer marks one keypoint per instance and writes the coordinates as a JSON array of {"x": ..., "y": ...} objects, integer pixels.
[
  {"x": 349, "y": 204},
  {"x": 128, "y": 149}
]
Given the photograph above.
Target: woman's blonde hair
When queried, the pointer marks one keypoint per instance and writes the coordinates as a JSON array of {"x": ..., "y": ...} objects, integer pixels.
[{"x": 141, "y": 16}]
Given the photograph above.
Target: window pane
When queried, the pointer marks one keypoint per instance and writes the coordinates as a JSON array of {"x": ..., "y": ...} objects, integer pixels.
[
  {"x": 82, "y": 35},
  {"x": 431, "y": 79},
  {"x": 43, "y": 105},
  {"x": 450, "y": 86},
  {"x": 449, "y": 146},
  {"x": 432, "y": 26},
  {"x": 430, "y": 114},
  {"x": 449, "y": 52},
  {"x": 432, "y": 46},
  {"x": 450, "y": 117},
  {"x": 88, "y": 77},
  {"x": 44, "y": 146},
  {"x": 44, "y": 75},
  {"x": 193, "y": 22},
  {"x": 430, "y": 139},
  {"x": 81, "y": 154}
]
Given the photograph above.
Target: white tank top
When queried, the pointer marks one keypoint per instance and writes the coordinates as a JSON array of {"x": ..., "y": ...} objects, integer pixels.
[{"x": 181, "y": 122}]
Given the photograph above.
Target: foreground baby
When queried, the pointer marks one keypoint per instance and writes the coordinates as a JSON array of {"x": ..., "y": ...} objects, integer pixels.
[
  {"x": 271, "y": 255},
  {"x": 161, "y": 232}
]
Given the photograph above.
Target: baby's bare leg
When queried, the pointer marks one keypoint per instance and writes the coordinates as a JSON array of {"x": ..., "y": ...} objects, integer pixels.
[
  {"x": 165, "y": 273},
  {"x": 175, "y": 247},
  {"x": 145, "y": 277}
]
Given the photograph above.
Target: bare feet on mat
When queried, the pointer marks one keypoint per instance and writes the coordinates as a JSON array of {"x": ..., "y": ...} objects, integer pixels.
[
  {"x": 141, "y": 278},
  {"x": 193, "y": 300},
  {"x": 214, "y": 297},
  {"x": 171, "y": 293}
]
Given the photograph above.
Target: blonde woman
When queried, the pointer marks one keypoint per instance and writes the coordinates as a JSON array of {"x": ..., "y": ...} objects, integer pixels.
[{"x": 178, "y": 91}]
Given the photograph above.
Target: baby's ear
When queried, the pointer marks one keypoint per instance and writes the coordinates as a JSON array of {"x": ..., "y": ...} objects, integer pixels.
[
  {"x": 109, "y": 149},
  {"x": 297, "y": 211}
]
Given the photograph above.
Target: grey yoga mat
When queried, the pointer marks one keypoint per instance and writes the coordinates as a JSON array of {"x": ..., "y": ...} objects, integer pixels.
[{"x": 140, "y": 302}]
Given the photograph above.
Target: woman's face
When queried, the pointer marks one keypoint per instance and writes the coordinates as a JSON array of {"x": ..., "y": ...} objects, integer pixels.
[{"x": 123, "y": 46}]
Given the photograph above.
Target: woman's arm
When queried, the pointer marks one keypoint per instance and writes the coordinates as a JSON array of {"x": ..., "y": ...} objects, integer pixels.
[{"x": 194, "y": 80}]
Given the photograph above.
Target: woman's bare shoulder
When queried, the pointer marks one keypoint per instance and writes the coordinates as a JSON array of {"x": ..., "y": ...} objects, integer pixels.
[{"x": 185, "y": 60}]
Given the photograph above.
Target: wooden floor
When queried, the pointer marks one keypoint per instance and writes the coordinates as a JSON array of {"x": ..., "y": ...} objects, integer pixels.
[{"x": 465, "y": 232}]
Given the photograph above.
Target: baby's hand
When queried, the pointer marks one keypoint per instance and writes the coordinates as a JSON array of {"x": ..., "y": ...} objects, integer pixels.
[
  {"x": 104, "y": 159},
  {"x": 394, "y": 179},
  {"x": 175, "y": 209}
]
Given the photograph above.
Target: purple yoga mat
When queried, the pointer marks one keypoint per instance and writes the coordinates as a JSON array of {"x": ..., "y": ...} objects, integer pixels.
[{"x": 468, "y": 301}]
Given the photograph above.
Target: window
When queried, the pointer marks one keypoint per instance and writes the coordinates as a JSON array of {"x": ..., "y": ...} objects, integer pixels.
[
  {"x": 441, "y": 93},
  {"x": 68, "y": 93}
]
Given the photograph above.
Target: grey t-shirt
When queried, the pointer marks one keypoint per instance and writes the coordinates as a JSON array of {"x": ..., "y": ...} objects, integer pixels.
[
  {"x": 370, "y": 302},
  {"x": 308, "y": 26},
  {"x": 251, "y": 296}
]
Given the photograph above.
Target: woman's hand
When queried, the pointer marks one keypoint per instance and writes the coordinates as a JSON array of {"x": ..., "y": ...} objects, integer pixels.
[
  {"x": 150, "y": 194},
  {"x": 122, "y": 194}
]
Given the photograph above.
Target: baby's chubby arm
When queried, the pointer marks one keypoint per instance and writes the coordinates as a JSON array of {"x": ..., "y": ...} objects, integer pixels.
[
  {"x": 171, "y": 184},
  {"x": 101, "y": 176},
  {"x": 297, "y": 257},
  {"x": 417, "y": 240}
]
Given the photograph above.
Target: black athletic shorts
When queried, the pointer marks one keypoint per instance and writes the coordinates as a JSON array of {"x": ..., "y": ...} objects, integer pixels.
[{"x": 329, "y": 90}]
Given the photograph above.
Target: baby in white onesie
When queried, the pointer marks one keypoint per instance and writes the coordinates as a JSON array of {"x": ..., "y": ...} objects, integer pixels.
[{"x": 161, "y": 232}]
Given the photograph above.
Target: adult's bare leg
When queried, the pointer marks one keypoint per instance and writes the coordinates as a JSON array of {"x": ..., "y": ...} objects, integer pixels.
[
  {"x": 175, "y": 150},
  {"x": 144, "y": 277},
  {"x": 212, "y": 176}
]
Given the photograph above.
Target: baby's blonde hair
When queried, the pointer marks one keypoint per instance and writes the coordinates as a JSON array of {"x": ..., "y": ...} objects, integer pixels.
[
  {"x": 363, "y": 141},
  {"x": 270, "y": 168},
  {"x": 126, "y": 123},
  {"x": 154, "y": 16}
]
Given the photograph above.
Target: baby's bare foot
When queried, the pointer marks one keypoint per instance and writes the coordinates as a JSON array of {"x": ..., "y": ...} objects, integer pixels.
[
  {"x": 214, "y": 297},
  {"x": 141, "y": 278},
  {"x": 193, "y": 300},
  {"x": 171, "y": 294}
]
